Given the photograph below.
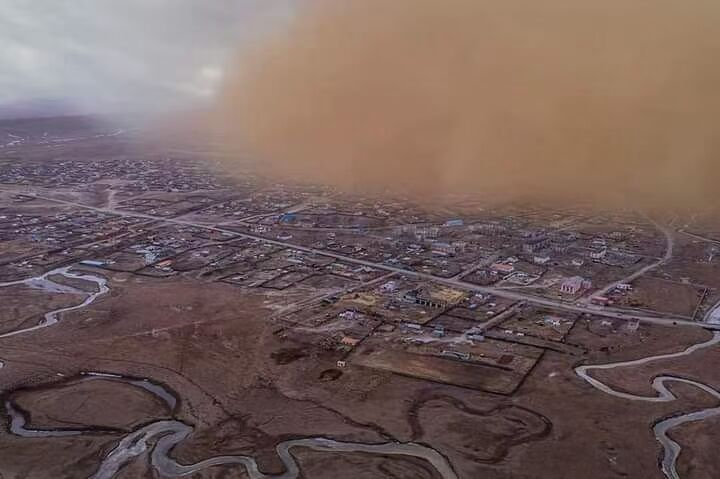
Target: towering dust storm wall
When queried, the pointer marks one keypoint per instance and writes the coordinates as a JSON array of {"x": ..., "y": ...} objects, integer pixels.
[{"x": 511, "y": 96}]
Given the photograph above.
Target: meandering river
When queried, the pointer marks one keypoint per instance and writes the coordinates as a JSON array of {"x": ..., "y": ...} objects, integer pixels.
[
  {"x": 671, "y": 449},
  {"x": 44, "y": 283},
  {"x": 166, "y": 434},
  {"x": 160, "y": 437}
]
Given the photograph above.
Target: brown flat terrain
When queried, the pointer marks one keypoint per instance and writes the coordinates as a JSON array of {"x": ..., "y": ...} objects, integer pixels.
[
  {"x": 81, "y": 405},
  {"x": 23, "y": 307},
  {"x": 701, "y": 460},
  {"x": 665, "y": 296},
  {"x": 215, "y": 350},
  {"x": 443, "y": 370}
]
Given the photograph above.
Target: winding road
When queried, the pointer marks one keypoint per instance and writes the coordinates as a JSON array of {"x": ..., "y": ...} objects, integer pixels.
[
  {"x": 671, "y": 449},
  {"x": 669, "y": 249}
]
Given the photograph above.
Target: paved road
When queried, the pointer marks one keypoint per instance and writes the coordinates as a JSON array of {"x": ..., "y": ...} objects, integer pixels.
[
  {"x": 512, "y": 295},
  {"x": 293, "y": 209},
  {"x": 699, "y": 237},
  {"x": 670, "y": 241},
  {"x": 481, "y": 264},
  {"x": 298, "y": 305}
]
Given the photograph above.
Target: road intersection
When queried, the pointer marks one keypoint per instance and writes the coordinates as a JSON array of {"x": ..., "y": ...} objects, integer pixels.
[{"x": 577, "y": 307}]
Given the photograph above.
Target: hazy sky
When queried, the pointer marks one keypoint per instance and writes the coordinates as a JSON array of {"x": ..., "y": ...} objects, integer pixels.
[{"x": 110, "y": 54}]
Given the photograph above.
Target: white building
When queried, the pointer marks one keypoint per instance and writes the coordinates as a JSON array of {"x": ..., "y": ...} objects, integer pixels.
[
  {"x": 574, "y": 285},
  {"x": 541, "y": 259},
  {"x": 443, "y": 249},
  {"x": 598, "y": 254}
]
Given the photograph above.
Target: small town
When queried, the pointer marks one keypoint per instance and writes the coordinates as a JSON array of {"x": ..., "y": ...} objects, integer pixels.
[{"x": 368, "y": 239}]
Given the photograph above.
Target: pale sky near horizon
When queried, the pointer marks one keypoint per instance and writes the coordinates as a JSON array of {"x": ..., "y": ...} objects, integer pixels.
[{"x": 129, "y": 54}]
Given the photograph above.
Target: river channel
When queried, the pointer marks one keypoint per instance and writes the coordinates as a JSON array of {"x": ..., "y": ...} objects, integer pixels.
[
  {"x": 671, "y": 449},
  {"x": 169, "y": 433},
  {"x": 44, "y": 283},
  {"x": 160, "y": 437}
]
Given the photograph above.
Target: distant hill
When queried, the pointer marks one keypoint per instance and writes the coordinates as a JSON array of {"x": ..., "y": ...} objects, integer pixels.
[{"x": 38, "y": 108}]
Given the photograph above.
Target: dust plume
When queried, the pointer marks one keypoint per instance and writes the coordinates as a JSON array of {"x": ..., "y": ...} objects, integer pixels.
[{"x": 568, "y": 97}]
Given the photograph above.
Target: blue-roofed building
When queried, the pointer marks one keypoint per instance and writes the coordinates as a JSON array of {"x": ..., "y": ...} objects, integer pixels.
[
  {"x": 457, "y": 222},
  {"x": 288, "y": 218}
]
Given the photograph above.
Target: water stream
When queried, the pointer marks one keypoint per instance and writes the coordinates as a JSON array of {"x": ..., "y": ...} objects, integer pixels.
[
  {"x": 168, "y": 433},
  {"x": 671, "y": 449},
  {"x": 44, "y": 283}
]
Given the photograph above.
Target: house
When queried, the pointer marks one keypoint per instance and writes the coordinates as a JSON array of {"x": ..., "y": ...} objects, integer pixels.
[
  {"x": 492, "y": 229},
  {"x": 443, "y": 249},
  {"x": 456, "y": 222},
  {"x": 288, "y": 218},
  {"x": 412, "y": 327},
  {"x": 598, "y": 254},
  {"x": 600, "y": 300},
  {"x": 502, "y": 268},
  {"x": 416, "y": 296},
  {"x": 574, "y": 285},
  {"x": 92, "y": 262},
  {"x": 348, "y": 315},
  {"x": 349, "y": 341},
  {"x": 552, "y": 321},
  {"x": 536, "y": 244},
  {"x": 461, "y": 356},
  {"x": 431, "y": 232},
  {"x": 460, "y": 245},
  {"x": 541, "y": 260}
]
